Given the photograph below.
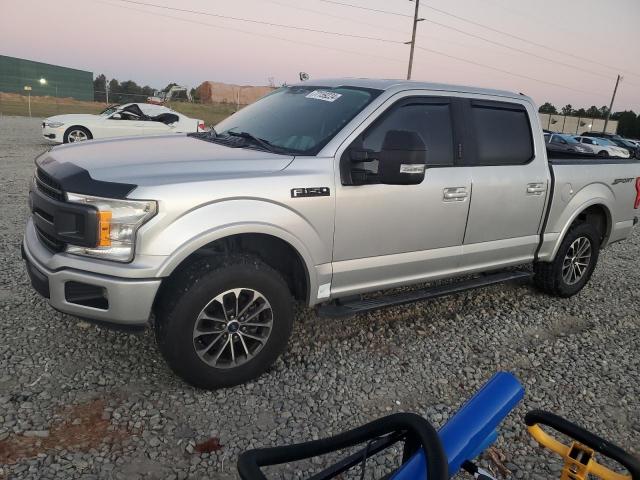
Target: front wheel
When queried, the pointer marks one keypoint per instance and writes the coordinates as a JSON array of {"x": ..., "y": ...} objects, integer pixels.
[
  {"x": 573, "y": 265},
  {"x": 223, "y": 324},
  {"x": 77, "y": 134}
]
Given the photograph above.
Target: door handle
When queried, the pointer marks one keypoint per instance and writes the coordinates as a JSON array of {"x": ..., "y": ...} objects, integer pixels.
[
  {"x": 455, "y": 194},
  {"x": 536, "y": 188}
]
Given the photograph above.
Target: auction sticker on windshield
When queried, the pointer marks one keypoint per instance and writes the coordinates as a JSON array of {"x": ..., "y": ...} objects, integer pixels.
[{"x": 324, "y": 95}]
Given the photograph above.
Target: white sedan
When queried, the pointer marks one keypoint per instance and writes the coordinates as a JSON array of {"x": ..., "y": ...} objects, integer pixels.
[
  {"x": 119, "y": 121},
  {"x": 603, "y": 147}
]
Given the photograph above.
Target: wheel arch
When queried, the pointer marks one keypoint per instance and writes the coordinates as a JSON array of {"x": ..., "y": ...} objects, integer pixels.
[
  {"x": 276, "y": 250},
  {"x": 595, "y": 212}
]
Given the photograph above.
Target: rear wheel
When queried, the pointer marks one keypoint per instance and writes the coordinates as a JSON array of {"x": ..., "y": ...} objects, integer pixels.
[
  {"x": 573, "y": 265},
  {"x": 222, "y": 325},
  {"x": 77, "y": 134}
]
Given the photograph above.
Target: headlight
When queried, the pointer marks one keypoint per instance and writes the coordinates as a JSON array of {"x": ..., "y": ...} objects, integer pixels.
[
  {"x": 118, "y": 223},
  {"x": 53, "y": 124}
]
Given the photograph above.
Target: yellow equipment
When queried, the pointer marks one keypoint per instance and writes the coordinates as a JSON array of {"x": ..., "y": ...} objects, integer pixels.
[{"x": 579, "y": 457}]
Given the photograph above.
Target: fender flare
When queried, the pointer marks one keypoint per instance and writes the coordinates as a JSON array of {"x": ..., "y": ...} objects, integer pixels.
[{"x": 600, "y": 202}]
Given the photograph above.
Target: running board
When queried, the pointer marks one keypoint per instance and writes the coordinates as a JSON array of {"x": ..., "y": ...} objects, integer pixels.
[{"x": 353, "y": 307}]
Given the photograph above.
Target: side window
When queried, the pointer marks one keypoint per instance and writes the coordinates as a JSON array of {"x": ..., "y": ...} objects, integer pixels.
[
  {"x": 431, "y": 121},
  {"x": 503, "y": 134}
]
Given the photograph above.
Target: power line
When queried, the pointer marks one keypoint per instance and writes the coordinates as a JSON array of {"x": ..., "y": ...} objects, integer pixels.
[
  {"x": 504, "y": 71},
  {"x": 519, "y": 50},
  {"x": 260, "y": 22},
  {"x": 264, "y": 35},
  {"x": 360, "y": 7},
  {"x": 522, "y": 39},
  {"x": 339, "y": 17}
]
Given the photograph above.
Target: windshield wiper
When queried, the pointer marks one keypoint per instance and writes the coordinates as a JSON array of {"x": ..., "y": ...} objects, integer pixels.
[{"x": 257, "y": 141}]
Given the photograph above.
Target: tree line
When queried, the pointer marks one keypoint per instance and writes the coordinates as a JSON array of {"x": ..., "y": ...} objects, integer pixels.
[
  {"x": 628, "y": 121},
  {"x": 126, "y": 91}
]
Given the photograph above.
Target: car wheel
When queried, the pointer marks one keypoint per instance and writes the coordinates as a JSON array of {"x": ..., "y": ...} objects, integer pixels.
[
  {"x": 220, "y": 325},
  {"x": 603, "y": 154},
  {"x": 573, "y": 265},
  {"x": 77, "y": 134}
]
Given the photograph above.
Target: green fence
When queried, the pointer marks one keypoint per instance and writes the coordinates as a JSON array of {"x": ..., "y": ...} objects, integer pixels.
[{"x": 44, "y": 79}]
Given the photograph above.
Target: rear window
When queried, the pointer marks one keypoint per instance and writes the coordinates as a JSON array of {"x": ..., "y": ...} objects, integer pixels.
[{"x": 503, "y": 134}]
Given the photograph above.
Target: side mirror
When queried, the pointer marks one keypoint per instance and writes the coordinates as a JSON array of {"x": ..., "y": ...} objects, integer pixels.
[
  {"x": 403, "y": 158},
  {"x": 115, "y": 116}
]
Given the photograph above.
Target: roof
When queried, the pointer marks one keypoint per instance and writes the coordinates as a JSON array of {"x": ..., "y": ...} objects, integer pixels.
[{"x": 388, "y": 84}]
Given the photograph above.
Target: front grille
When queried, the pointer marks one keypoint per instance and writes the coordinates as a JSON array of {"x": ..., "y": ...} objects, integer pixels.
[
  {"x": 47, "y": 185},
  {"x": 51, "y": 243}
]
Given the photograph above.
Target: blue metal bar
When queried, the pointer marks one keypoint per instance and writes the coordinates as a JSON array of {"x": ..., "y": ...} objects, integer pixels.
[{"x": 473, "y": 428}]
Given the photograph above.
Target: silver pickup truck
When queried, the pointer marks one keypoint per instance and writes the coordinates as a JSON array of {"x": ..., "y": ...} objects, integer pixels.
[{"x": 316, "y": 193}]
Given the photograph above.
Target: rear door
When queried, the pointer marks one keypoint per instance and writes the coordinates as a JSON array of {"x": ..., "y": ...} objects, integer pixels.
[
  {"x": 510, "y": 183},
  {"x": 387, "y": 235}
]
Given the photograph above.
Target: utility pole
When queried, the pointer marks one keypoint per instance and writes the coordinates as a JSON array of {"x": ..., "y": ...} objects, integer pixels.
[
  {"x": 106, "y": 90},
  {"x": 413, "y": 37},
  {"x": 613, "y": 97}
]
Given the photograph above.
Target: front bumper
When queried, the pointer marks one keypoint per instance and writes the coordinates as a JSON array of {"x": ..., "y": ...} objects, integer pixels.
[
  {"x": 126, "y": 302},
  {"x": 53, "y": 134}
]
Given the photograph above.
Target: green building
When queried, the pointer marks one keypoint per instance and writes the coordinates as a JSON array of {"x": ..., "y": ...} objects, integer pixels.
[{"x": 44, "y": 79}]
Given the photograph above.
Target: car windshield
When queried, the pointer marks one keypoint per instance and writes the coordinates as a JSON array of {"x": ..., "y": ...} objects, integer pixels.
[
  {"x": 606, "y": 142},
  {"x": 569, "y": 138},
  {"x": 110, "y": 109},
  {"x": 299, "y": 119}
]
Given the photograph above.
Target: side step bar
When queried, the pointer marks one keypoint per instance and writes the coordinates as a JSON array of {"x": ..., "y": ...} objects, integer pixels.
[{"x": 353, "y": 307}]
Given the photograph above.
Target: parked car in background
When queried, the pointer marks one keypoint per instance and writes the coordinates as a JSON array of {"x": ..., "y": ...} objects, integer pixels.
[
  {"x": 563, "y": 143},
  {"x": 603, "y": 147},
  {"x": 130, "y": 119},
  {"x": 631, "y": 146}
]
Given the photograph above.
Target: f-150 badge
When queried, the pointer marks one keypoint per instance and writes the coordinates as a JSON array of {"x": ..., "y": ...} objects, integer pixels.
[{"x": 310, "y": 192}]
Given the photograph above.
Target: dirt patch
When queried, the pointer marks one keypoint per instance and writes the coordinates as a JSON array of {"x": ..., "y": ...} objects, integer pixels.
[{"x": 80, "y": 428}]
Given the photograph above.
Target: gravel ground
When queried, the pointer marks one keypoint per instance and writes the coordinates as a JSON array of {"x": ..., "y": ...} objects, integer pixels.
[{"x": 77, "y": 401}]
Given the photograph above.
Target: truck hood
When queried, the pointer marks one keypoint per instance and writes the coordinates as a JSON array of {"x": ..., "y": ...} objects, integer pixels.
[{"x": 147, "y": 161}]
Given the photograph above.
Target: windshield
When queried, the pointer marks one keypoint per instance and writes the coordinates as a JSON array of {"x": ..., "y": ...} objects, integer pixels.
[
  {"x": 299, "y": 119},
  {"x": 606, "y": 142},
  {"x": 569, "y": 138},
  {"x": 110, "y": 109}
]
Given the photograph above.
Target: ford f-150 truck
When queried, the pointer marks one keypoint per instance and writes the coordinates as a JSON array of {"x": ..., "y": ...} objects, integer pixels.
[{"x": 316, "y": 193}]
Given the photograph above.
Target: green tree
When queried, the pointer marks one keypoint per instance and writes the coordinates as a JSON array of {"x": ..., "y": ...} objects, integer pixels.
[
  {"x": 593, "y": 112},
  {"x": 548, "y": 108},
  {"x": 100, "y": 88},
  {"x": 603, "y": 111},
  {"x": 567, "y": 109},
  {"x": 628, "y": 124},
  {"x": 114, "y": 91}
]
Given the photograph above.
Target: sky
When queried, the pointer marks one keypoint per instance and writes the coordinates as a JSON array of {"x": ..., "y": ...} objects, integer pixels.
[{"x": 561, "y": 51}]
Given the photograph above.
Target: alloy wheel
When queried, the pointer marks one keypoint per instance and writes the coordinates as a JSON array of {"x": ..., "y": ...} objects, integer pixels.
[
  {"x": 77, "y": 136},
  {"x": 576, "y": 261},
  {"x": 232, "y": 328}
]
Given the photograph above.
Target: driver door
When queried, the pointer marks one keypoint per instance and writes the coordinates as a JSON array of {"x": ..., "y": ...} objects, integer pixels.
[
  {"x": 388, "y": 235},
  {"x": 126, "y": 122}
]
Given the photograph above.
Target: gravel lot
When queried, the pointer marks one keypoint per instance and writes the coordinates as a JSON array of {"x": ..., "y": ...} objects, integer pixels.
[{"x": 77, "y": 401}]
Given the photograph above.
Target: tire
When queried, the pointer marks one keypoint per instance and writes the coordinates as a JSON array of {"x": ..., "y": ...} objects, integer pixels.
[
  {"x": 194, "y": 298},
  {"x": 77, "y": 134},
  {"x": 551, "y": 277},
  {"x": 603, "y": 154}
]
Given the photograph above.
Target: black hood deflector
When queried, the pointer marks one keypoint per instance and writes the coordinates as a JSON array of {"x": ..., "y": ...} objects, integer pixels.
[{"x": 75, "y": 179}]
